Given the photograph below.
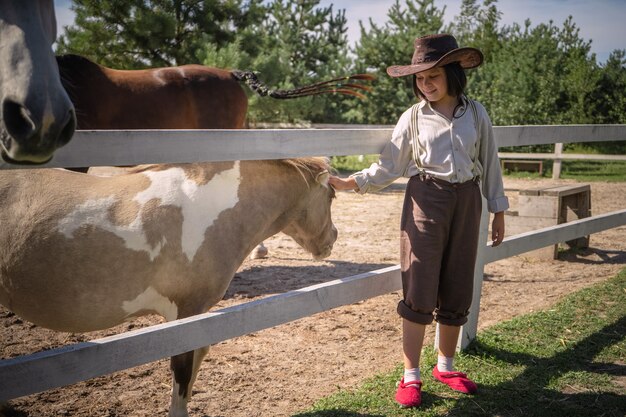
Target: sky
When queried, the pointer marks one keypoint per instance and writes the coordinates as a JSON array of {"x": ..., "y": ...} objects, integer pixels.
[{"x": 601, "y": 21}]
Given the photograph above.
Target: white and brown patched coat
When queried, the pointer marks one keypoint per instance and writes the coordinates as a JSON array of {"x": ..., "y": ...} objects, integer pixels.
[{"x": 81, "y": 253}]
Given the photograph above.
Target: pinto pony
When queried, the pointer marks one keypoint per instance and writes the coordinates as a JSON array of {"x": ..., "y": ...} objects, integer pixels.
[
  {"x": 163, "y": 240},
  {"x": 36, "y": 115}
]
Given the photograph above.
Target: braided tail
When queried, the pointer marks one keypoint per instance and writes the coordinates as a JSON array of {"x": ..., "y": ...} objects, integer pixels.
[{"x": 335, "y": 86}]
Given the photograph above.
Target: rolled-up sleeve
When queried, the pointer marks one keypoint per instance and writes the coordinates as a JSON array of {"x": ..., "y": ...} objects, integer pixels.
[
  {"x": 394, "y": 162},
  {"x": 491, "y": 175}
]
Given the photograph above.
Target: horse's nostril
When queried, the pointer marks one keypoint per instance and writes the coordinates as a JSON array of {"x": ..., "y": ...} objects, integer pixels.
[
  {"x": 17, "y": 120},
  {"x": 68, "y": 128}
]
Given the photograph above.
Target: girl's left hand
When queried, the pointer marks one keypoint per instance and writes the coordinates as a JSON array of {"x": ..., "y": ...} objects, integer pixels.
[{"x": 497, "y": 229}]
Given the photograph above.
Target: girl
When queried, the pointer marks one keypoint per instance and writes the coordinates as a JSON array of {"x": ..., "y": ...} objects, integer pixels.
[{"x": 445, "y": 145}]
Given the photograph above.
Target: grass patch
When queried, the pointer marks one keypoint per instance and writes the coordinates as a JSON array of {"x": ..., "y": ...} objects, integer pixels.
[
  {"x": 613, "y": 171},
  {"x": 567, "y": 361},
  {"x": 352, "y": 163}
]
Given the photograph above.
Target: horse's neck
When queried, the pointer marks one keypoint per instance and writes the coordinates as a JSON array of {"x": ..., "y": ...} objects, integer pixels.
[{"x": 269, "y": 201}]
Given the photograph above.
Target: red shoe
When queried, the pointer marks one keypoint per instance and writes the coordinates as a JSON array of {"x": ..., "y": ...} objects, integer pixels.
[
  {"x": 458, "y": 381},
  {"x": 409, "y": 394}
]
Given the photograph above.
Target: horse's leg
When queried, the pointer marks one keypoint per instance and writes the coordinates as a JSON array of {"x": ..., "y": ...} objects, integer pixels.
[
  {"x": 184, "y": 370},
  {"x": 259, "y": 252}
]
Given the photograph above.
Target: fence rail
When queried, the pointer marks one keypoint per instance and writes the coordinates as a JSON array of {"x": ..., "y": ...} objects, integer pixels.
[
  {"x": 58, "y": 367},
  {"x": 563, "y": 156},
  {"x": 134, "y": 147}
]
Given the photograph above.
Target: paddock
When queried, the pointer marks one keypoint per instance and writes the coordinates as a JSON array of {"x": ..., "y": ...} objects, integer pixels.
[{"x": 328, "y": 349}]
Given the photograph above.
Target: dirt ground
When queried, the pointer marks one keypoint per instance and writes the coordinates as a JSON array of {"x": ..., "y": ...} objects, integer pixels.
[{"x": 284, "y": 370}]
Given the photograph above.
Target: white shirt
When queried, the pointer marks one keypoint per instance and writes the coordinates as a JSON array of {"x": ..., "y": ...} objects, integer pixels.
[{"x": 447, "y": 150}]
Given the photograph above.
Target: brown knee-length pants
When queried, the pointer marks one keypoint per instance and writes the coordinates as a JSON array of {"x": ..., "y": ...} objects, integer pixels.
[{"x": 438, "y": 244}]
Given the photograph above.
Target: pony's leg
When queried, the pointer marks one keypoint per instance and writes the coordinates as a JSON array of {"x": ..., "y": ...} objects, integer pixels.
[
  {"x": 185, "y": 370},
  {"x": 259, "y": 252}
]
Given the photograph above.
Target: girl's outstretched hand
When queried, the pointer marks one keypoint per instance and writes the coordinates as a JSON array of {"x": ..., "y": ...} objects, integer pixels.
[
  {"x": 497, "y": 229},
  {"x": 343, "y": 183}
]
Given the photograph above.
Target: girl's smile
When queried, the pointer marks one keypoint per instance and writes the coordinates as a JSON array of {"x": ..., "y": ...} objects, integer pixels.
[{"x": 433, "y": 84}]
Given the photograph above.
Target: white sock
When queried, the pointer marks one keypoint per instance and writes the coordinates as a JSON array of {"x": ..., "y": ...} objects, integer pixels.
[
  {"x": 411, "y": 375},
  {"x": 445, "y": 364}
]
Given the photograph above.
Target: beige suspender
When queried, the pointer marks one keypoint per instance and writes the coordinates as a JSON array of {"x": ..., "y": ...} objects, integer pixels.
[
  {"x": 415, "y": 135},
  {"x": 475, "y": 114}
]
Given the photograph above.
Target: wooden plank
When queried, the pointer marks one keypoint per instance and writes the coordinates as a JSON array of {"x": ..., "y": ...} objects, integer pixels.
[
  {"x": 573, "y": 207},
  {"x": 565, "y": 190},
  {"x": 528, "y": 241},
  {"x": 556, "y": 165},
  {"x": 524, "y": 155},
  {"x": 470, "y": 329},
  {"x": 565, "y": 156},
  {"x": 133, "y": 147},
  {"x": 594, "y": 157},
  {"x": 522, "y": 224},
  {"x": 58, "y": 367},
  {"x": 539, "y": 135},
  {"x": 538, "y": 206},
  {"x": 521, "y": 165},
  {"x": 531, "y": 191}
]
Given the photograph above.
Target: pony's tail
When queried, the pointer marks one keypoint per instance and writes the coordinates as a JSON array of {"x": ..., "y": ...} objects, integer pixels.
[{"x": 336, "y": 85}]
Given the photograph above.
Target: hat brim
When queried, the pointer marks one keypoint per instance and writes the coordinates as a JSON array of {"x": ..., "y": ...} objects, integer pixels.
[{"x": 466, "y": 57}]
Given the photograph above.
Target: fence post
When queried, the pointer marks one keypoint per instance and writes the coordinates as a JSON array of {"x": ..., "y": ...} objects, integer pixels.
[
  {"x": 556, "y": 165},
  {"x": 469, "y": 330}
]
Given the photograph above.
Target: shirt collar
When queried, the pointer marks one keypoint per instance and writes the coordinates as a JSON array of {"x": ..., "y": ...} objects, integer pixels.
[{"x": 460, "y": 110}]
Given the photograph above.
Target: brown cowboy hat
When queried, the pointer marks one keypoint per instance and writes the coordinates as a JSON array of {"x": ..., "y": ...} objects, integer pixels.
[{"x": 434, "y": 51}]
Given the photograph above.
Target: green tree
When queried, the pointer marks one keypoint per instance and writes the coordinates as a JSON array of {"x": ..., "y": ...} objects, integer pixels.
[
  {"x": 478, "y": 26},
  {"x": 299, "y": 43},
  {"x": 152, "y": 33},
  {"x": 580, "y": 76},
  {"x": 539, "y": 75},
  {"x": 392, "y": 44},
  {"x": 303, "y": 43},
  {"x": 609, "y": 101},
  {"x": 609, "y": 97}
]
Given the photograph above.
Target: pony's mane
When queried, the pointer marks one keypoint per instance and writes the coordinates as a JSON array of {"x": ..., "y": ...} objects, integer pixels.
[{"x": 309, "y": 164}]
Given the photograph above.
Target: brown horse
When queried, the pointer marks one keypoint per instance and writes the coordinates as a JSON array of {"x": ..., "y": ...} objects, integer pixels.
[
  {"x": 185, "y": 97},
  {"x": 36, "y": 115},
  {"x": 164, "y": 239}
]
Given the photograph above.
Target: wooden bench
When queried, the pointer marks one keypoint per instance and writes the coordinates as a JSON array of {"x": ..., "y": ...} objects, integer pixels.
[
  {"x": 549, "y": 206},
  {"x": 515, "y": 165}
]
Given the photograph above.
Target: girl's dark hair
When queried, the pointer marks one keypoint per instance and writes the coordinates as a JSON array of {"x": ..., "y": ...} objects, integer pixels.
[{"x": 455, "y": 76}]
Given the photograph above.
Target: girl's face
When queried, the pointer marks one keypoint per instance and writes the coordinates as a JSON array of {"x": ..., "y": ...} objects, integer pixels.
[{"x": 433, "y": 84}]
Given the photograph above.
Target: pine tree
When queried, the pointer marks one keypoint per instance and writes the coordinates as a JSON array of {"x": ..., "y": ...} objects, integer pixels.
[
  {"x": 153, "y": 33},
  {"x": 392, "y": 44}
]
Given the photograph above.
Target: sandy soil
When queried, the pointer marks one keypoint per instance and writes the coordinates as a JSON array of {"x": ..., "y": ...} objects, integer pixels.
[{"x": 283, "y": 370}]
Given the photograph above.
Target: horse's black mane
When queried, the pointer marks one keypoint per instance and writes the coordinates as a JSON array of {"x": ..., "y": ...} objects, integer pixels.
[
  {"x": 72, "y": 59},
  {"x": 75, "y": 68}
]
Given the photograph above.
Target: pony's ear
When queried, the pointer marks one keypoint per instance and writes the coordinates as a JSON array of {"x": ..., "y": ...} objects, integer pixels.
[{"x": 322, "y": 178}]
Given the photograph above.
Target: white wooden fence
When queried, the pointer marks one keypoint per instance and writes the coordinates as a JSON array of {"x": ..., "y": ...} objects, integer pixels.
[{"x": 49, "y": 369}]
